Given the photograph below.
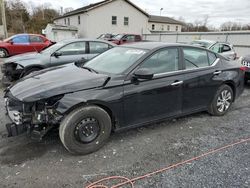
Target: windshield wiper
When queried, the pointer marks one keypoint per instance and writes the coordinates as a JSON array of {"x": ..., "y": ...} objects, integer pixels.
[{"x": 90, "y": 69}]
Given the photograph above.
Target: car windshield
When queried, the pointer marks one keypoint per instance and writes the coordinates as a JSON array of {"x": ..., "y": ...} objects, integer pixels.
[
  {"x": 118, "y": 37},
  {"x": 53, "y": 48},
  {"x": 204, "y": 44},
  {"x": 116, "y": 60}
]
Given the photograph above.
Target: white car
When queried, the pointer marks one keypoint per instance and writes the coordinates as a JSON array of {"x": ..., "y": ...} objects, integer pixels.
[{"x": 223, "y": 48}]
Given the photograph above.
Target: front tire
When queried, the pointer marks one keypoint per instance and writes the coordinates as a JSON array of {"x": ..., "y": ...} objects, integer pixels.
[
  {"x": 222, "y": 101},
  {"x": 3, "y": 53},
  {"x": 85, "y": 129}
]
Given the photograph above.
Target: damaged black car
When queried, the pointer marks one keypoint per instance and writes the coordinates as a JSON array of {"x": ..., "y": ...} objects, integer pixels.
[{"x": 125, "y": 87}]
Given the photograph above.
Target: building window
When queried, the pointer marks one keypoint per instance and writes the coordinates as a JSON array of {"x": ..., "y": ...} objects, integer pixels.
[
  {"x": 177, "y": 28},
  {"x": 68, "y": 21},
  {"x": 162, "y": 27},
  {"x": 153, "y": 27},
  {"x": 114, "y": 20},
  {"x": 79, "y": 20},
  {"x": 126, "y": 20},
  {"x": 168, "y": 27}
]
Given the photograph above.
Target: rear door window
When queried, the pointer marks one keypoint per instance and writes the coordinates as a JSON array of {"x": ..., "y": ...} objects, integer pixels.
[
  {"x": 97, "y": 47},
  {"x": 195, "y": 58},
  {"x": 35, "y": 39}
]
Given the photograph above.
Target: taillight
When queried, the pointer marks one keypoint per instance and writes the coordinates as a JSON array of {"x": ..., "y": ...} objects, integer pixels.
[{"x": 243, "y": 68}]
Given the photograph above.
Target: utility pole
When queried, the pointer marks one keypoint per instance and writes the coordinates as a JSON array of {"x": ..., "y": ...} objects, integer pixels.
[{"x": 4, "y": 19}]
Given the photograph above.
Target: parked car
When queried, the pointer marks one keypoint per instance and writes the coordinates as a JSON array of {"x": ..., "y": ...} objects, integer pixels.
[
  {"x": 245, "y": 60},
  {"x": 125, "y": 87},
  {"x": 23, "y": 43},
  {"x": 63, "y": 52},
  {"x": 125, "y": 38},
  {"x": 106, "y": 36},
  {"x": 225, "y": 49}
]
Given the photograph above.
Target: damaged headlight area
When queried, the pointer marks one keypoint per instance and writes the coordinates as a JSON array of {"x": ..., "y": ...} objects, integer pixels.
[
  {"x": 35, "y": 118},
  {"x": 11, "y": 72}
]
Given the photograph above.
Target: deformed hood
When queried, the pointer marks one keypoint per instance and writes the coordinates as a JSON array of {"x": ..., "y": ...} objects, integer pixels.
[
  {"x": 55, "y": 81},
  {"x": 23, "y": 57}
]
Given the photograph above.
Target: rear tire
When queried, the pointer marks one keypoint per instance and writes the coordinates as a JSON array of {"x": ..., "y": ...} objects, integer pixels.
[
  {"x": 85, "y": 129},
  {"x": 222, "y": 101},
  {"x": 3, "y": 53},
  {"x": 245, "y": 81}
]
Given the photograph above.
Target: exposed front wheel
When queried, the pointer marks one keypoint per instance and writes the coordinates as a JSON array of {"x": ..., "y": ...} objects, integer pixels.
[
  {"x": 222, "y": 101},
  {"x": 3, "y": 53},
  {"x": 85, "y": 129}
]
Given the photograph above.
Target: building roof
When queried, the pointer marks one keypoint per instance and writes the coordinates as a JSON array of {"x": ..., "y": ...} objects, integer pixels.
[
  {"x": 96, "y": 5},
  {"x": 63, "y": 27},
  {"x": 163, "y": 19}
]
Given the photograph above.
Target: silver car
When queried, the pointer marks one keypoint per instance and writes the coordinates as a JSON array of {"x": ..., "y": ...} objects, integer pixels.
[
  {"x": 223, "y": 48},
  {"x": 67, "y": 51}
]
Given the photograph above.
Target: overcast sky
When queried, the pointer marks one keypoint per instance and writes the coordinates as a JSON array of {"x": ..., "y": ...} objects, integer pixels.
[{"x": 218, "y": 11}]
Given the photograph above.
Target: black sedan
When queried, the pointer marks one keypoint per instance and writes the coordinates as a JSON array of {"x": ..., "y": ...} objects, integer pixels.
[
  {"x": 67, "y": 51},
  {"x": 125, "y": 87}
]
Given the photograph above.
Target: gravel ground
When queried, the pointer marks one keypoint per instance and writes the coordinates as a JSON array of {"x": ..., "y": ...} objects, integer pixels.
[{"x": 25, "y": 163}]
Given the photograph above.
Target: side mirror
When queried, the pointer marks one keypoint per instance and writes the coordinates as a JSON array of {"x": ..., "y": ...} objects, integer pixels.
[
  {"x": 144, "y": 73},
  {"x": 81, "y": 62},
  {"x": 11, "y": 42},
  {"x": 57, "y": 54}
]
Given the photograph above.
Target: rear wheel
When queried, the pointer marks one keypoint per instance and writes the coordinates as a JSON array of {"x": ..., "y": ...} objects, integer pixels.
[
  {"x": 245, "y": 81},
  {"x": 3, "y": 53},
  {"x": 85, "y": 129},
  {"x": 222, "y": 101}
]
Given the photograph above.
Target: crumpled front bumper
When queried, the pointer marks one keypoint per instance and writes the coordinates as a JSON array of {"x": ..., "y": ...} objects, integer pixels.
[{"x": 16, "y": 126}]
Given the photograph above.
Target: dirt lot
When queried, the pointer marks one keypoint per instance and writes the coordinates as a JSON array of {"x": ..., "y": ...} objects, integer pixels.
[{"x": 25, "y": 163}]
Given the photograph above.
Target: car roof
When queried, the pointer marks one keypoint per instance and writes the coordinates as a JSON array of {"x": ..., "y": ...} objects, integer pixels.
[
  {"x": 154, "y": 45},
  {"x": 87, "y": 39},
  {"x": 208, "y": 41}
]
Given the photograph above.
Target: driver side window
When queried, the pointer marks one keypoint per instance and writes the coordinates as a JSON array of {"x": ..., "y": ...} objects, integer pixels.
[
  {"x": 163, "y": 61},
  {"x": 75, "y": 48}
]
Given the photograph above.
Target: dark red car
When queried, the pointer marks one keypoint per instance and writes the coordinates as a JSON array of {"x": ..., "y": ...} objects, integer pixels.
[
  {"x": 126, "y": 38},
  {"x": 23, "y": 43}
]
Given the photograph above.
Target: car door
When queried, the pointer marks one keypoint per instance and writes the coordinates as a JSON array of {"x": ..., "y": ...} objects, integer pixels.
[
  {"x": 37, "y": 42},
  {"x": 200, "y": 83},
  {"x": 72, "y": 52},
  {"x": 96, "y": 48},
  {"x": 159, "y": 97},
  {"x": 20, "y": 44}
]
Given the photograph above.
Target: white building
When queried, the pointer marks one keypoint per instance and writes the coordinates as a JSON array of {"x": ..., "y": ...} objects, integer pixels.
[
  {"x": 162, "y": 24},
  {"x": 55, "y": 32},
  {"x": 115, "y": 16}
]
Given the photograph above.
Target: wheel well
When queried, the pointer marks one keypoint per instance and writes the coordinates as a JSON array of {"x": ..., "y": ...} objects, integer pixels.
[
  {"x": 108, "y": 110},
  {"x": 6, "y": 50},
  {"x": 230, "y": 84}
]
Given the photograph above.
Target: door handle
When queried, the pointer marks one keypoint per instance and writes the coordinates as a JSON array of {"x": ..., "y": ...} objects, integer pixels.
[
  {"x": 217, "y": 72},
  {"x": 176, "y": 83}
]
